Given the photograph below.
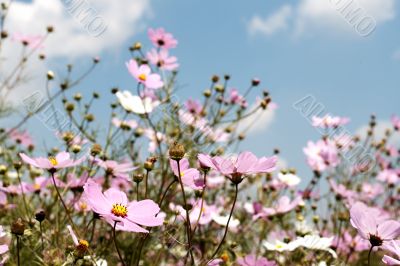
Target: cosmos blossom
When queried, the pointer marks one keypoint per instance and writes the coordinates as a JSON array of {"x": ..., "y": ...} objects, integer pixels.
[
  {"x": 115, "y": 169},
  {"x": 32, "y": 41},
  {"x": 136, "y": 104},
  {"x": 394, "y": 247},
  {"x": 162, "y": 39},
  {"x": 246, "y": 163},
  {"x": 372, "y": 225},
  {"x": 162, "y": 59},
  {"x": 396, "y": 122},
  {"x": 321, "y": 155},
  {"x": 113, "y": 206},
  {"x": 190, "y": 176},
  {"x": 143, "y": 75},
  {"x": 329, "y": 121},
  {"x": 61, "y": 160}
]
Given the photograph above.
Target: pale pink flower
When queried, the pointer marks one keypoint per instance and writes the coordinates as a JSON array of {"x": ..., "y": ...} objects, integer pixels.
[
  {"x": 282, "y": 206},
  {"x": 372, "y": 225},
  {"x": 329, "y": 121},
  {"x": 129, "y": 124},
  {"x": 32, "y": 41},
  {"x": 114, "y": 207},
  {"x": 190, "y": 176},
  {"x": 162, "y": 39},
  {"x": 389, "y": 176},
  {"x": 4, "y": 242},
  {"x": 194, "y": 106},
  {"x": 396, "y": 122},
  {"x": 21, "y": 137},
  {"x": 246, "y": 163},
  {"x": 116, "y": 169},
  {"x": 321, "y": 155},
  {"x": 394, "y": 247},
  {"x": 61, "y": 160},
  {"x": 143, "y": 75},
  {"x": 162, "y": 59}
]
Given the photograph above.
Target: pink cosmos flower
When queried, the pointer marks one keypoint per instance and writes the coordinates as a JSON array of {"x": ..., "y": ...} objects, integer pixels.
[
  {"x": 246, "y": 163},
  {"x": 116, "y": 169},
  {"x": 21, "y": 137},
  {"x": 394, "y": 247},
  {"x": 193, "y": 106},
  {"x": 253, "y": 260},
  {"x": 396, "y": 122},
  {"x": 33, "y": 41},
  {"x": 162, "y": 59},
  {"x": 236, "y": 98},
  {"x": 4, "y": 241},
  {"x": 190, "y": 176},
  {"x": 282, "y": 206},
  {"x": 143, "y": 75},
  {"x": 162, "y": 39},
  {"x": 61, "y": 160},
  {"x": 321, "y": 155},
  {"x": 389, "y": 176},
  {"x": 207, "y": 212},
  {"x": 373, "y": 226},
  {"x": 81, "y": 205},
  {"x": 329, "y": 121},
  {"x": 114, "y": 207},
  {"x": 371, "y": 191},
  {"x": 341, "y": 191},
  {"x": 128, "y": 124},
  {"x": 349, "y": 243}
]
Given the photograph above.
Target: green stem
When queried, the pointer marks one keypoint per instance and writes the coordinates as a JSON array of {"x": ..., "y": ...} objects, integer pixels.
[
  {"x": 188, "y": 226},
  {"x": 227, "y": 224},
  {"x": 116, "y": 246}
]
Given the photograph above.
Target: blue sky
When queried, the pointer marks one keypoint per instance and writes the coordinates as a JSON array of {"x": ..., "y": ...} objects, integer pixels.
[{"x": 351, "y": 75}]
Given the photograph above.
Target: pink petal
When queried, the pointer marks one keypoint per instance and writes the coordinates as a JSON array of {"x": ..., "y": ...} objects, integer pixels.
[{"x": 389, "y": 230}]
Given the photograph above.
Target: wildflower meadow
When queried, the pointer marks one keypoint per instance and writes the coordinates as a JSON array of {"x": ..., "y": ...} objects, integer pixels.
[{"x": 143, "y": 175}]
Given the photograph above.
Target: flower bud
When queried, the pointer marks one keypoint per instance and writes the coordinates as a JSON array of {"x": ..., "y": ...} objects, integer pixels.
[
  {"x": 177, "y": 151},
  {"x": 77, "y": 97},
  {"x": 3, "y": 169},
  {"x": 214, "y": 78},
  {"x": 4, "y": 34},
  {"x": 40, "y": 216},
  {"x": 69, "y": 107},
  {"x": 207, "y": 93},
  {"x": 96, "y": 149},
  {"x": 50, "y": 75},
  {"x": 149, "y": 164},
  {"x": 18, "y": 227},
  {"x": 137, "y": 178},
  {"x": 255, "y": 82},
  {"x": 76, "y": 148},
  {"x": 50, "y": 29}
]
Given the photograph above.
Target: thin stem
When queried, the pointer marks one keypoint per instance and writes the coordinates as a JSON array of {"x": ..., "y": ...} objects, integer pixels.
[
  {"x": 18, "y": 258},
  {"x": 188, "y": 226},
  {"x": 227, "y": 224},
  {"x": 147, "y": 181},
  {"x": 369, "y": 255},
  {"x": 116, "y": 246},
  {"x": 23, "y": 196},
  {"x": 203, "y": 193},
  {"x": 41, "y": 236},
  {"x": 63, "y": 203}
]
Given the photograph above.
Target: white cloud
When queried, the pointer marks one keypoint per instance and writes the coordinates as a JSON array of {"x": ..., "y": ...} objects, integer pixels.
[
  {"x": 259, "y": 121},
  {"x": 268, "y": 26},
  {"x": 120, "y": 20},
  {"x": 337, "y": 15},
  {"x": 71, "y": 39}
]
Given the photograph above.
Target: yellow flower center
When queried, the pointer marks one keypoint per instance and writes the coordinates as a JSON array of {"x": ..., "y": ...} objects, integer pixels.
[
  {"x": 82, "y": 246},
  {"x": 142, "y": 77},
  {"x": 53, "y": 160},
  {"x": 36, "y": 186},
  {"x": 119, "y": 210},
  {"x": 83, "y": 206}
]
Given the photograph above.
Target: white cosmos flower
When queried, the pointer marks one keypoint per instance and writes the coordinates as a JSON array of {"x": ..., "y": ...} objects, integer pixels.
[
  {"x": 316, "y": 242},
  {"x": 280, "y": 246},
  {"x": 135, "y": 104},
  {"x": 223, "y": 220},
  {"x": 290, "y": 180}
]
